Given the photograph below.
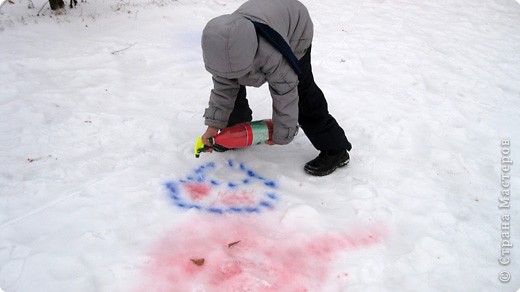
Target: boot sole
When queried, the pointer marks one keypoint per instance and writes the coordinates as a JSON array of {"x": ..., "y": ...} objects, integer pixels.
[{"x": 315, "y": 173}]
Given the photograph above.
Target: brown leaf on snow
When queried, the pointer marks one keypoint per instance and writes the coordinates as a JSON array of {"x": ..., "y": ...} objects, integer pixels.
[
  {"x": 31, "y": 160},
  {"x": 198, "y": 262},
  {"x": 232, "y": 244}
]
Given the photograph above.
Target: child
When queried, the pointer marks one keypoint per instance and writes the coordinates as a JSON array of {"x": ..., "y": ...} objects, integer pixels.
[{"x": 270, "y": 41}]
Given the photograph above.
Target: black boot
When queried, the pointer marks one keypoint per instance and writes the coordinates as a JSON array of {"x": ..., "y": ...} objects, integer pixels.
[{"x": 325, "y": 164}]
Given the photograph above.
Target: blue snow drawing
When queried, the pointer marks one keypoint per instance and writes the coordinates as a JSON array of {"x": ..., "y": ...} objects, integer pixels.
[{"x": 228, "y": 188}]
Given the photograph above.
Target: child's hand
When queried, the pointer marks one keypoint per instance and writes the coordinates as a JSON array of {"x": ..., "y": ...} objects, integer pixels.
[{"x": 210, "y": 132}]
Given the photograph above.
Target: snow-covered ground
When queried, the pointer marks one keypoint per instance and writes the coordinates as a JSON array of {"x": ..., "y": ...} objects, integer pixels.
[{"x": 100, "y": 106}]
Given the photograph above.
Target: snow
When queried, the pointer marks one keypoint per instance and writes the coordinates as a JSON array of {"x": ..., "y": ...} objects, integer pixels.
[{"x": 100, "y": 107}]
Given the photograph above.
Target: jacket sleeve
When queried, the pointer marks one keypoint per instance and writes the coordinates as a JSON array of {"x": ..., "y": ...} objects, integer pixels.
[
  {"x": 283, "y": 85},
  {"x": 221, "y": 102}
]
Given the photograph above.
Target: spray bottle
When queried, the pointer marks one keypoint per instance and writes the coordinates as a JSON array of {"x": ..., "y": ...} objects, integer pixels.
[{"x": 238, "y": 136}]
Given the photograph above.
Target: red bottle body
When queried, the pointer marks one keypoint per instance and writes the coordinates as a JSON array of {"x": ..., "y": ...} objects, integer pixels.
[{"x": 245, "y": 134}]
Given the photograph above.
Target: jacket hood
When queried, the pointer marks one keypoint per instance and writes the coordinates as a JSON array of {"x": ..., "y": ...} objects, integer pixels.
[{"x": 229, "y": 44}]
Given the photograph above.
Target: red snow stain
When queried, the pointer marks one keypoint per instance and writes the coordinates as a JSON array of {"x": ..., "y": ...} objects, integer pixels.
[
  {"x": 237, "y": 197},
  {"x": 198, "y": 191},
  {"x": 247, "y": 254}
]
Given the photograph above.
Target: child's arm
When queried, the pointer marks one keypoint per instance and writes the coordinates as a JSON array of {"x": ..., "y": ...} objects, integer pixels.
[{"x": 221, "y": 102}]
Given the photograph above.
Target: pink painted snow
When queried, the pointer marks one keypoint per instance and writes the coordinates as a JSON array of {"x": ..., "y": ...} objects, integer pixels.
[{"x": 246, "y": 253}]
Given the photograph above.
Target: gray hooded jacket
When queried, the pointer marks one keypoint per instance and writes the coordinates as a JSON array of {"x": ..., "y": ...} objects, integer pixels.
[{"x": 235, "y": 55}]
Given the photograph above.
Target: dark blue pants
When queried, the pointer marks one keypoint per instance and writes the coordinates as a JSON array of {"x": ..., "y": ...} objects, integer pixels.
[{"x": 314, "y": 118}]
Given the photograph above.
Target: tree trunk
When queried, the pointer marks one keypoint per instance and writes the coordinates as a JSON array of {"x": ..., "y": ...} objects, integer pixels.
[{"x": 56, "y": 4}]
